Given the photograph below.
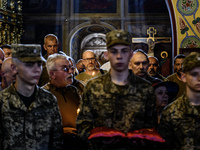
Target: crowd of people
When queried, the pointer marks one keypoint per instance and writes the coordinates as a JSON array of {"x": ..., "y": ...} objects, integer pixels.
[{"x": 53, "y": 102}]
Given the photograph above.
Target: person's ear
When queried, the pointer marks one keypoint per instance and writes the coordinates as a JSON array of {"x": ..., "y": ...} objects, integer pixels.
[
  {"x": 130, "y": 65},
  {"x": 52, "y": 75},
  {"x": 44, "y": 46},
  {"x": 84, "y": 62},
  {"x": 14, "y": 68},
  {"x": 131, "y": 54},
  {"x": 183, "y": 77},
  {"x": 106, "y": 55},
  {"x": 2, "y": 73}
]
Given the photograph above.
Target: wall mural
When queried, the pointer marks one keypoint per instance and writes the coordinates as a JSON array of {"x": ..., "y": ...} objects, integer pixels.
[{"x": 189, "y": 23}]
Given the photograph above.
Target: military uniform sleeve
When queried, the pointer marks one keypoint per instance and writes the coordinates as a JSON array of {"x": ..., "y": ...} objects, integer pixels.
[
  {"x": 57, "y": 132},
  {"x": 165, "y": 129},
  {"x": 84, "y": 122},
  {"x": 151, "y": 112}
]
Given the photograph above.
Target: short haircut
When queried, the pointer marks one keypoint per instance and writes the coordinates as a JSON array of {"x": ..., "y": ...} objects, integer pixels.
[
  {"x": 6, "y": 64},
  {"x": 50, "y": 37},
  {"x": 72, "y": 61},
  {"x": 50, "y": 64},
  {"x": 89, "y": 51},
  {"x": 154, "y": 57},
  {"x": 141, "y": 51},
  {"x": 6, "y": 46},
  {"x": 180, "y": 56},
  {"x": 79, "y": 61}
]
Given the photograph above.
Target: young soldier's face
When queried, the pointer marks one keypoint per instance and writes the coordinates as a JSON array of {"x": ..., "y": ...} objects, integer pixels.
[
  {"x": 192, "y": 79},
  {"x": 28, "y": 72},
  {"x": 119, "y": 56}
]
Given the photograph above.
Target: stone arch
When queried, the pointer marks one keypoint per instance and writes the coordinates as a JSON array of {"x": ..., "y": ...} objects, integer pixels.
[
  {"x": 97, "y": 43},
  {"x": 86, "y": 30}
]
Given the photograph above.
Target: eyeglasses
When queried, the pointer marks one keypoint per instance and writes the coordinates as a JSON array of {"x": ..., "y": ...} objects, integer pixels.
[
  {"x": 89, "y": 59},
  {"x": 66, "y": 69}
]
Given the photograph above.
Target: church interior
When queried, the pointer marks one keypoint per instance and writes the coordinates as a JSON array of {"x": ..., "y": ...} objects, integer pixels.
[
  {"x": 157, "y": 26},
  {"x": 69, "y": 95}
]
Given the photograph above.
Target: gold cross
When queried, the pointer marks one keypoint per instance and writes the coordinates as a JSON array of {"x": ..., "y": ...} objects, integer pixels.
[{"x": 151, "y": 40}]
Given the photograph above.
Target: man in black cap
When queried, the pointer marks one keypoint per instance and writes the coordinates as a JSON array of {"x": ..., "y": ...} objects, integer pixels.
[{"x": 29, "y": 115}]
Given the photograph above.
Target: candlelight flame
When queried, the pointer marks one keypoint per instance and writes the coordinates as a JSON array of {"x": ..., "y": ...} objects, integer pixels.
[
  {"x": 78, "y": 110},
  {"x": 93, "y": 73}
]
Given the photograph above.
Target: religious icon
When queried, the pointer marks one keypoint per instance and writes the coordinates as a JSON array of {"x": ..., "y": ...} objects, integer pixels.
[{"x": 165, "y": 64}]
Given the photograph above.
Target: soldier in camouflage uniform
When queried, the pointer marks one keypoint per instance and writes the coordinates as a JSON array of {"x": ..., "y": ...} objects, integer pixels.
[
  {"x": 119, "y": 99},
  {"x": 29, "y": 115},
  {"x": 180, "y": 123}
]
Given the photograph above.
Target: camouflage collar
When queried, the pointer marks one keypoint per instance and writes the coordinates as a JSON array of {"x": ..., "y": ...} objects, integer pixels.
[
  {"x": 11, "y": 91},
  {"x": 189, "y": 109},
  {"x": 110, "y": 87},
  {"x": 46, "y": 56}
]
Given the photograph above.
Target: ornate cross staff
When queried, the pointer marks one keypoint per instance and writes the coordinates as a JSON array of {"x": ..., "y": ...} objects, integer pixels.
[{"x": 151, "y": 40}]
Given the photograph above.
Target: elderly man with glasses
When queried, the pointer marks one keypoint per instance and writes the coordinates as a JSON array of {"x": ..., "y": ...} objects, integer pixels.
[
  {"x": 91, "y": 70},
  {"x": 60, "y": 71}
]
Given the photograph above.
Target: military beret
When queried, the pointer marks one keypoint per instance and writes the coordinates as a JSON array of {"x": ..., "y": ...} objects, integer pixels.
[
  {"x": 118, "y": 37},
  {"x": 27, "y": 52},
  {"x": 191, "y": 61}
]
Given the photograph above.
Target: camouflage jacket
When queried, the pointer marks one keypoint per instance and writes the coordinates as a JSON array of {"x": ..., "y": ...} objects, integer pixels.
[
  {"x": 180, "y": 125},
  {"x": 38, "y": 127},
  {"x": 105, "y": 105}
]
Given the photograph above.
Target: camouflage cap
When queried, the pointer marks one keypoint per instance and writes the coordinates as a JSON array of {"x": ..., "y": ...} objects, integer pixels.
[
  {"x": 118, "y": 37},
  {"x": 191, "y": 61},
  {"x": 27, "y": 52}
]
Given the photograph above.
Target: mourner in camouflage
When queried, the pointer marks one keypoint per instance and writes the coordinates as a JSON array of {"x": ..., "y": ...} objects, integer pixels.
[
  {"x": 180, "y": 123},
  {"x": 119, "y": 99},
  {"x": 29, "y": 120},
  {"x": 126, "y": 109}
]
